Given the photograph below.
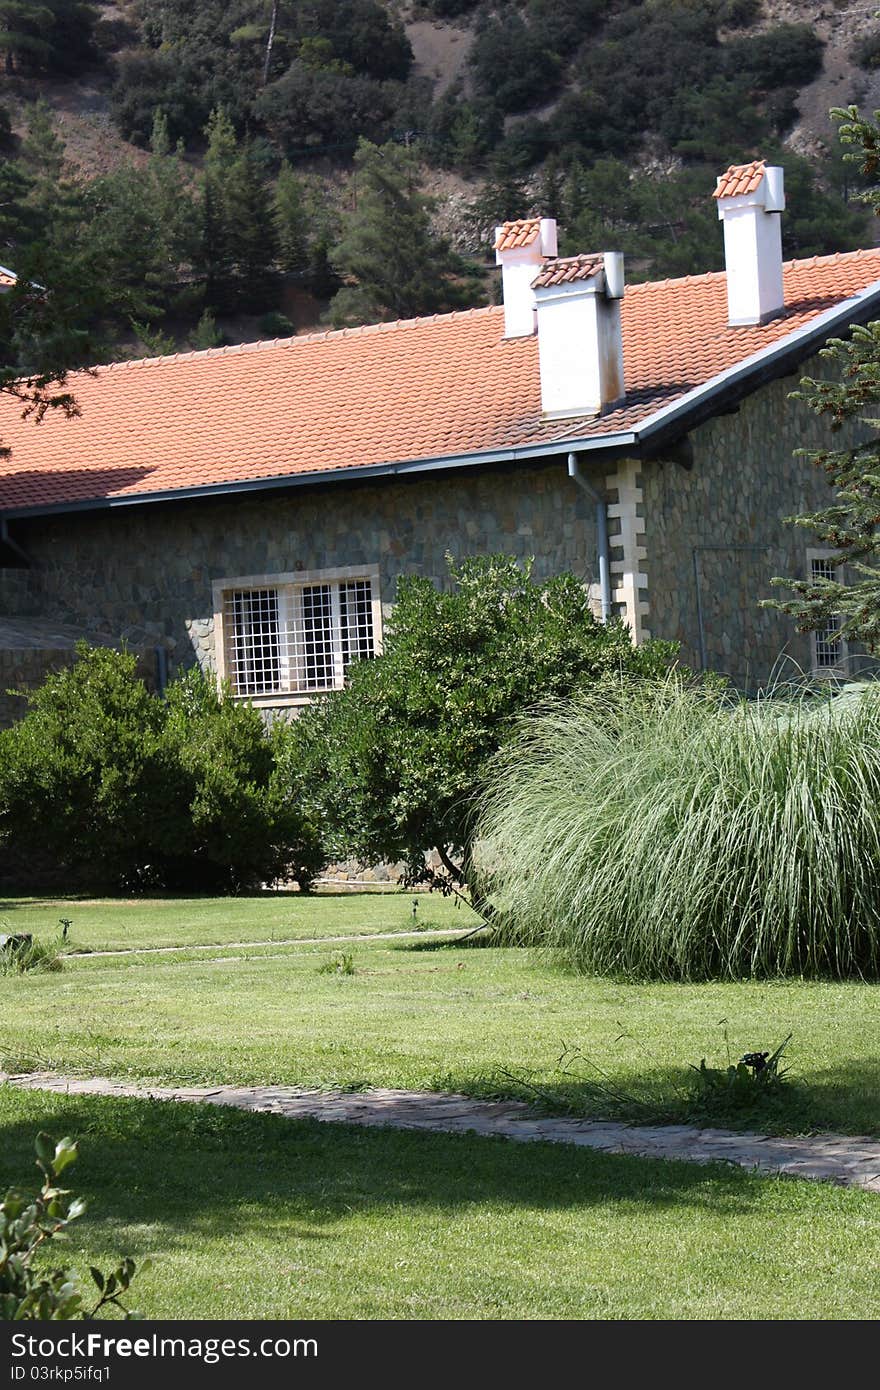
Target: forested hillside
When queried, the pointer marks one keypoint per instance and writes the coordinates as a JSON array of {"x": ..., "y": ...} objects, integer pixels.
[{"x": 187, "y": 174}]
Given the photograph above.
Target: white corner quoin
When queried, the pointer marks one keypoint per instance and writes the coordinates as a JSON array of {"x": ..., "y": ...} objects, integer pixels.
[
  {"x": 753, "y": 251},
  {"x": 519, "y": 267}
]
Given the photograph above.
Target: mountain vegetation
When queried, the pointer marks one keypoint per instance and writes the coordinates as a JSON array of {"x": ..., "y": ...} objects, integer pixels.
[{"x": 275, "y": 157}]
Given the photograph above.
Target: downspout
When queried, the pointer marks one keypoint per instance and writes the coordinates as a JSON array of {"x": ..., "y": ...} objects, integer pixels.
[
  {"x": 574, "y": 472},
  {"x": 161, "y": 656}
]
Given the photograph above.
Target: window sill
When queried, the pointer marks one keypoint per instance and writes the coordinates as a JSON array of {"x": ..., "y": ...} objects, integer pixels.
[{"x": 278, "y": 700}]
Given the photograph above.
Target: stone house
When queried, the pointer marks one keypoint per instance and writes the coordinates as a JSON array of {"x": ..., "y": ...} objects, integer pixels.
[{"x": 252, "y": 507}]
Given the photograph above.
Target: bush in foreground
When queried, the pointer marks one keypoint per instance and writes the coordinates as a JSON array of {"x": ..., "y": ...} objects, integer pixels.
[
  {"x": 669, "y": 831},
  {"x": 391, "y": 764},
  {"x": 29, "y": 1288},
  {"x": 130, "y": 790}
]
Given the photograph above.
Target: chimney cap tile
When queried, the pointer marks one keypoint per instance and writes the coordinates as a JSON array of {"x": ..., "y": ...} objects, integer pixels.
[
  {"x": 740, "y": 179},
  {"x": 565, "y": 270},
  {"x": 513, "y": 235}
]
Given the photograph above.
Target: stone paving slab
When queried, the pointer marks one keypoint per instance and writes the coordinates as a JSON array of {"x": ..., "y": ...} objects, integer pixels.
[{"x": 850, "y": 1162}]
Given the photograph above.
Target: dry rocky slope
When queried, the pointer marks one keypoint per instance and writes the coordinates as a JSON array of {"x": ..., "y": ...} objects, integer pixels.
[{"x": 441, "y": 49}]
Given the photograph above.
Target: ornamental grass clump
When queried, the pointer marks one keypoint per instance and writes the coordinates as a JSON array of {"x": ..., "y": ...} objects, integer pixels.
[{"x": 668, "y": 830}]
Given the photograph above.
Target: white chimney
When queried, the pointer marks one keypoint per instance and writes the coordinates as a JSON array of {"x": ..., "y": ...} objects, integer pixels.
[
  {"x": 520, "y": 248},
  {"x": 580, "y": 345},
  {"x": 751, "y": 199}
]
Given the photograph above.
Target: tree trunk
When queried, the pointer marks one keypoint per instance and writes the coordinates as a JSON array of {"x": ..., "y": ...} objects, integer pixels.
[{"x": 270, "y": 41}]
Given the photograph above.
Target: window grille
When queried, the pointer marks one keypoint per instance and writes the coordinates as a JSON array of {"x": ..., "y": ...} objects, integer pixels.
[
  {"x": 296, "y": 639},
  {"x": 829, "y": 651}
]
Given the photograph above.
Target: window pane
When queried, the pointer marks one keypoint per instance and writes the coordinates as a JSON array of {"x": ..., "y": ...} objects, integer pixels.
[
  {"x": 356, "y": 621},
  {"x": 252, "y": 649},
  {"x": 827, "y": 649},
  {"x": 315, "y": 657}
]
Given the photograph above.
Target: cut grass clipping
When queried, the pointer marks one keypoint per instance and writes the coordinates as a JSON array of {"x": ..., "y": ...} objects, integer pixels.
[{"x": 671, "y": 832}]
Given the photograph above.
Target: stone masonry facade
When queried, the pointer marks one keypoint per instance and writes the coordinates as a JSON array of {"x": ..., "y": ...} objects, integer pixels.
[
  {"x": 144, "y": 575},
  {"x": 692, "y": 550},
  {"x": 715, "y": 535}
]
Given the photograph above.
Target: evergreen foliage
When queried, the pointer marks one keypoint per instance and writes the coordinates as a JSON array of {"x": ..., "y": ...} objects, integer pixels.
[
  {"x": 53, "y": 36},
  {"x": 127, "y": 789},
  {"x": 395, "y": 267},
  {"x": 849, "y": 527}
]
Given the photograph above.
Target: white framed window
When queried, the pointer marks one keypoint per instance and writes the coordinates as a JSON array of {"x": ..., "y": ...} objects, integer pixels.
[
  {"x": 280, "y": 639},
  {"x": 829, "y": 652}
]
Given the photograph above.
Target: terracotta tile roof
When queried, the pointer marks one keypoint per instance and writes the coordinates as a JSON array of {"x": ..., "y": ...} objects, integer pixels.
[
  {"x": 739, "y": 179},
  {"x": 516, "y": 234},
  {"x": 7, "y": 277},
  {"x": 564, "y": 270},
  {"x": 421, "y": 388}
]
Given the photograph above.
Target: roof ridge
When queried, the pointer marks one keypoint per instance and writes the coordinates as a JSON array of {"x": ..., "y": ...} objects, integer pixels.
[
  {"x": 861, "y": 251},
  {"x": 402, "y": 325},
  {"x": 261, "y": 344}
]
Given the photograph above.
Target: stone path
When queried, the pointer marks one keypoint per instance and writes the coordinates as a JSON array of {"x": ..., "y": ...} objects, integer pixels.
[
  {"x": 283, "y": 941},
  {"x": 851, "y": 1162}
]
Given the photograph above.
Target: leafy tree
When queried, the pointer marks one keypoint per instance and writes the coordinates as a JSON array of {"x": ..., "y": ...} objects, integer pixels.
[
  {"x": 850, "y": 525},
  {"x": 515, "y": 62},
  {"x": 360, "y": 33},
  {"x": 397, "y": 267},
  {"x": 322, "y": 108},
  {"x": 390, "y": 765}
]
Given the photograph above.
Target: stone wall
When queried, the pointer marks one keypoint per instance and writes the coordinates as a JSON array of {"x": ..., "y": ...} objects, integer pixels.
[
  {"x": 32, "y": 648},
  {"x": 717, "y": 531},
  {"x": 144, "y": 574}
]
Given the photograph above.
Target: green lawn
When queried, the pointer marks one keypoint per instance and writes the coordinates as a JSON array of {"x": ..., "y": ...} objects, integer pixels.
[
  {"x": 449, "y": 1017},
  {"x": 255, "y": 1216},
  {"x": 116, "y": 924}
]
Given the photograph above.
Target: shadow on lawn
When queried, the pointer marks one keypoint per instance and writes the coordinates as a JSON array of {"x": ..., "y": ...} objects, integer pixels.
[{"x": 196, "y": 1168}]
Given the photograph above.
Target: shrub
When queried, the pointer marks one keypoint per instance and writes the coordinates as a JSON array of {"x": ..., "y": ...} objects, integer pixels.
[
  {"x": 223, "y": 824},
  {"x": 276, "y": 325},
  {"x": 28, "y": 957},
  {"x": 789, "y": 54},
  {"x": 390, "y": 765},
  {"x": 27, "y": 1225},
  {"x": 669, "y": 831},
  {"x": 132, "y": 790},
  {"x": 322, "y": 108},
  {"x": 82, "y": 774},
  {"x": 865, "y": 52}
]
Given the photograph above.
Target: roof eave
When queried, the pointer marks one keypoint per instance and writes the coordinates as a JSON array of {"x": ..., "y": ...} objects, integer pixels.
[{"x": 670, "y": 421}]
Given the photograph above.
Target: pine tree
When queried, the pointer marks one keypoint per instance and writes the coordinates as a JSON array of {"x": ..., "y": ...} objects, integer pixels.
[
  {"x": 394, "y": 265},
  {"x": 850, "y": 525},
  {"x": 46, "y": 34},
  {"x": 43, "y": 148},
  {"x": 239, "y": 237},
  {"x": 291, "y": 222},
  {"x": 23, "y": 29}
]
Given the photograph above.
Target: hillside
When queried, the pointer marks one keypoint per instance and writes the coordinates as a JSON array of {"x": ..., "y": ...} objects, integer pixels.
[{"x": 570, "y": 107}]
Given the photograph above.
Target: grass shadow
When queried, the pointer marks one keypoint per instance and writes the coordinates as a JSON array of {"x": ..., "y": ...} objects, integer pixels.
[{"x": 188, "y": 1168}]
